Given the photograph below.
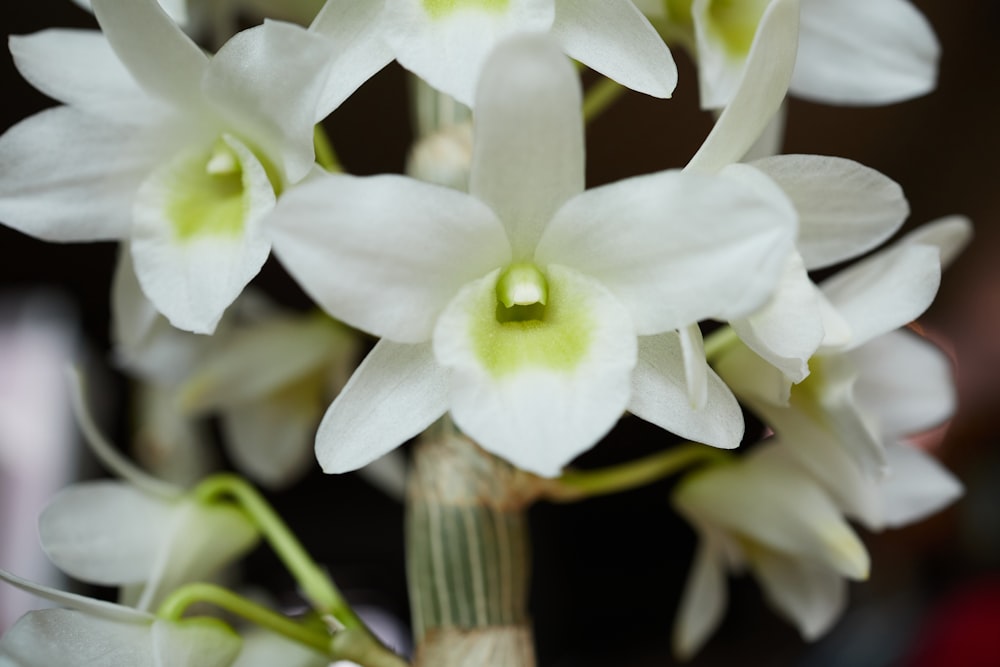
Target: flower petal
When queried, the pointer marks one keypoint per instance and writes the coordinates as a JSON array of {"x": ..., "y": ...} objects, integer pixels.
[
  {"x": 695, "y": 364},
  {"x": 788, "y": 329},
  {"x": 446, "y": 44},
  {"x": 78, "y": 68},
  {"x": 385, "y": 253},
  {"x": 906, "y": 381},
  {"x": 885, "y": 291},
  {"x": 541, "y": 391},
  {"x": 811, "y": 597},
  {"x": 615, "y": 39},
  {"x": 70, "y": 176},
  {"x": 198, "y": 237},
  {"x": 845, "y": 208},
  {"x": 69, "y": 637},
  {"x": 703, "y": 602},
  {"x": 861, "y": 52},
  {"x": 263, "y": 358},
  {"x": 677, "y": 247},
  {"x": 359, "y": 50},
  {"x": 396, "y": 392},
  {"x": 916, "y": 487},
  {"x": 87, "y": 605},
  {"x": 769, "y": 502},
  {"x": 271, "y": 439},
  {"x": 949, "y": 234},
  {"x": 660, "y": 396},
  {"x": 765, "y": 80},
  {"x": 527, "y": 157},
  {"x": 105, "y": 532},
  {"x": 161, "y": 58},
  {"x": 266, "y": 82}
]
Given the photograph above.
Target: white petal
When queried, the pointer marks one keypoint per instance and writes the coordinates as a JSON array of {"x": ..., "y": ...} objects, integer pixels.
[
  {"x": 949, "y": 234},
  {"x": 702, "y": 604},
  {"x": 199, "y": 540},
  {"x": 826, "y": 400},
  {"x": 263, "y": 358},
  {"x": 677, "y": 247},
  {"x": 864, "y": 52},
  {"x": 161, "y": 58},
  {"x": 771, "y": 503},
  {"x": 906, "y": 381},
  {"x": 263, "y": 648},
  {"x": 811, "y": 597},
  {"x": 198, "y": 237},
  {"x": 723, "y": 35},
  {"x": 89, "y": 606},
  {"x": 788, "y": 329},
  {"x": 660, "y": 396},
  {"x": 78, "y": 68},
  {"x": 751, "y": 377},
  {"x": 885, "y": 291},
  {"x": 133, "y": 316},
  {"x": 266, "y": 82},
  {"x": 70, "y": 176},
  {"x": 68, "y": 637},
  {"x": 105, "y": 532},
  {"x": 385, "y": 253},
  {"x": 540, "y": 392},
  {"x": 448, "y": 46},
  {"x": 527, "y": 155},
  {"x": 271, "y": 440},
  {"x": 845, "y": 208},
  {"x": 916, "y": 487},
  {"x": 615, "y": 39},
  {"x": 765, "y": 80},
  {"x": 359, "y": 50},
  {"x": 695, "y": 364},
  {"x": 396, "y": 392}
]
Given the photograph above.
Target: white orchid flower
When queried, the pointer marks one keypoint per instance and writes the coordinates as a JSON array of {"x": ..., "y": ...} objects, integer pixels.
[
  {"x": 181, "y": 154},
  {"x": 534, "y": 311},
  {"x": 871, "y": 385},
  {"x": 850, "y": 51},
  {"x": 141, "y": 533},
  {"x": 767, "y": 514},
  {"x": 446, "y": 42},
  {"x": 103, "y": 634},
  {"x": 844, "y": 208}
]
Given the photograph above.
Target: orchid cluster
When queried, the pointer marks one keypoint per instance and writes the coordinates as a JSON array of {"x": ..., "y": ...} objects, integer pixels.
[{"x": 518, "y": 313}]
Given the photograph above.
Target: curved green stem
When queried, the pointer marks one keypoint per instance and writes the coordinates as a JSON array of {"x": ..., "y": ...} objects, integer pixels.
[
  {"x": 177, "y": 603},
  {"x": 600, "y": 96},
  {"x": 325, "y": 155},
  {"x": 576, "y": 485},
  {"x": 316, "y": 585}
]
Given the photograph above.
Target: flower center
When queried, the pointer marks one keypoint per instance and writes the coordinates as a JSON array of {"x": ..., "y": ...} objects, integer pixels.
[
  {"x": 522, "y": 292},
  {"x": 440, "y": 8},
  {"x": 734, "y": 22}
]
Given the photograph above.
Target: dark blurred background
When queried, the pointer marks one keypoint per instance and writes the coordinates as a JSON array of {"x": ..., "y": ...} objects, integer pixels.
[{"x": 608, "y": 572}]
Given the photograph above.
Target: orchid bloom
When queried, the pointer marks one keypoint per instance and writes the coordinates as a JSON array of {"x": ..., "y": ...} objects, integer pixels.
[
  {"x": 861, "y": 52},
  {"x": 534, "y": 312},
  {"x": 143, "y": 534},
  {"x": 870, "y": 385},
  {"x": 181, "y": 154},
  {"x": 765, "y": 513},
  {"x": 95, "y": 632},
  {"x": 446, "y": 42}
]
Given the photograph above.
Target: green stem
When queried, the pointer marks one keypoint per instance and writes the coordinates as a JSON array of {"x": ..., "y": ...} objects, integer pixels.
[
  {"x": 719, "y": 341},
  {"x": 316, "y": 586},
  {"x": 177, "y": 603},
  {"x": 576, "y": 485},
  {"x": 325, "y": 155},
  {"x": 600, "y": 96}
]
